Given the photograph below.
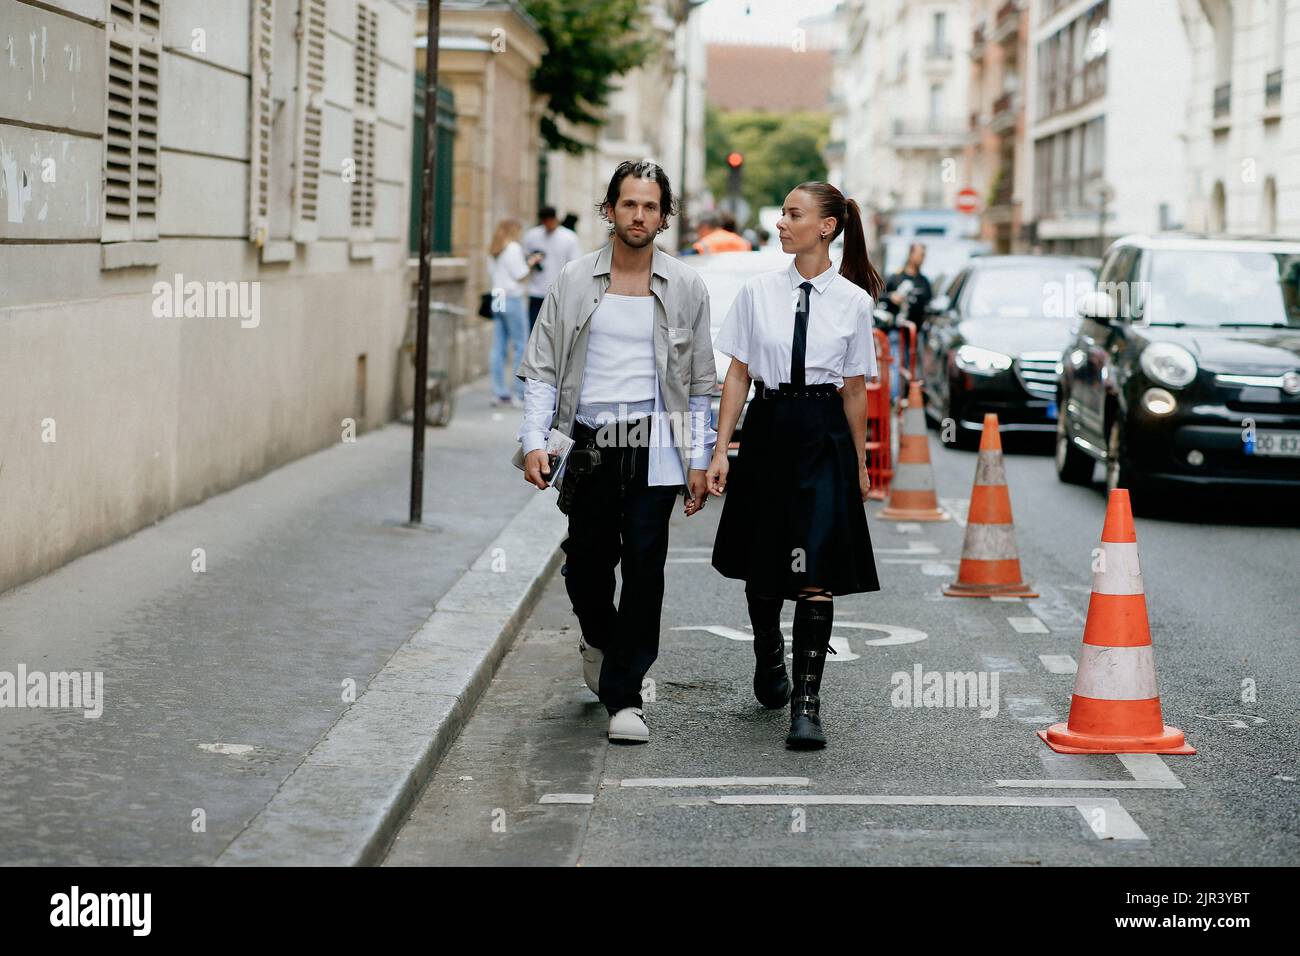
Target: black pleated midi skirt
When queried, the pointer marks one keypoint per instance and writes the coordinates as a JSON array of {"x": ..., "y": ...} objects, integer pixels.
[{"x": 793, "y": 515}]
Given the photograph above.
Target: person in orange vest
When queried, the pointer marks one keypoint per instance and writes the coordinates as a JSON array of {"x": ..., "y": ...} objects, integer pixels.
[{"x": 714, "y": 238}]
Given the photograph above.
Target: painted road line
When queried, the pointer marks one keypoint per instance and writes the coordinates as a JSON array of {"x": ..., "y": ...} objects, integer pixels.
[
  {"x": 1031, "y": 710},
  {"x": 686, "y": 550},
  {"x": 1105, "y": 816},
  {"x": 681, "y": 782},
  {"x": 1003, "y": 599},
  {"x": 1028, "y": 625},
  {"x": 1006, "y": 665},
  {"x": 688, "y": 561},
  {"x": 568, "y": 798},
  {"x": 957, "y": 508},
  {"x": 913, "y": 547},
  {"x": 907, "y": 527},
  {"x": 1148, "y": 771},
  {"x": 894, "y": 634},
  {"x": 1058, "y": 663},
  {"x": 1055, "y": 609}
]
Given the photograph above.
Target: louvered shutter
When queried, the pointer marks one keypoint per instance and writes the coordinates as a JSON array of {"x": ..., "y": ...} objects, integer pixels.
[
  {"x": 366, "y": 56},
  {"x": 261, "y": 116},
  {"x": 311, "y": 112},
  {"x": 131, "y": 178}
]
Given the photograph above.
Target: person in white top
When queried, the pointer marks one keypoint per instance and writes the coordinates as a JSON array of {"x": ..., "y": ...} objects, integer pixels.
[
  {"x": 509, "y": 309},
  {"x": 550, "y": 247},
  {"x": 794, "y": 523}
]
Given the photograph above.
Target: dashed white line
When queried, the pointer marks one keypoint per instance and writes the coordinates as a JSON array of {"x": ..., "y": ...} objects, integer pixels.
[
  {"x": 1028, "y": 625},
  {"x": 568, "y": 798},
  {"x": 1149, "y": 772},
  {"x": 680, "y": 782},
  {"x": 1058, "y": 663}
]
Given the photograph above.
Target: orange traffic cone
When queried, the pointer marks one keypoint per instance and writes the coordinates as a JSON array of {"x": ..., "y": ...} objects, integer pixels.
[
  {"x": 911, "y": 496},
  {"x": 990, "y": 565},
  {"x": 1115, "y": 708}
]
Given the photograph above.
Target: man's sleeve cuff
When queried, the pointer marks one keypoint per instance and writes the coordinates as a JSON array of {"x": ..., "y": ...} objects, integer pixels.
[{"x": 532, "y": 441}]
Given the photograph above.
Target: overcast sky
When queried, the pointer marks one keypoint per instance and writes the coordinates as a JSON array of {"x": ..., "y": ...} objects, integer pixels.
[{"x": 756, "y": 21}]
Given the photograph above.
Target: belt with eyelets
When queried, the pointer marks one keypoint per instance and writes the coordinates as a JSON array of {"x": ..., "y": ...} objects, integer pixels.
[{"x": 785, "y": 390}]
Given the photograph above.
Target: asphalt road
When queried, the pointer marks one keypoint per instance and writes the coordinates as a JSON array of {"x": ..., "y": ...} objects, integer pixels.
[{"x": 532, "y": 779}]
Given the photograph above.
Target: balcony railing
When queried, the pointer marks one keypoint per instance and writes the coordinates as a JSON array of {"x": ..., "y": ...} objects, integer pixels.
[
  {"x": 1222, "y": 100},
  {"x": 928, "y": 133},
  {"x": 938, "y": 51},
  {"x": 1273, "y": 89}
]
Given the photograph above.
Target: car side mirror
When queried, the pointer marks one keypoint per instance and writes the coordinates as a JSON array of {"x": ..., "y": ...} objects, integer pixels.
[
  {"x": 938, "y": 305},
  {"x": 1097, "y": 306}
]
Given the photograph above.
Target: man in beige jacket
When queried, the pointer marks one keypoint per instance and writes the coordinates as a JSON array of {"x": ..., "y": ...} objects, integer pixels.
[{"x": 621, "y": 361}]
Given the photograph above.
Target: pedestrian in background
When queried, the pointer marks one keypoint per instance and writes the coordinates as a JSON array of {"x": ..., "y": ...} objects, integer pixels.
[
  {"x": 794, "y": 525},
  {"x": 550, "y": 247},
  {"x": 509, "y": 309},
  {"x": 715, "y": 237},
  {"x": 907, "y": 296},
  {"x": 622, "y": 340}
]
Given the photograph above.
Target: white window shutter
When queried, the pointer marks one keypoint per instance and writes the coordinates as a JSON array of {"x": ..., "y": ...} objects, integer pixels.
[
  {"x": 261, "y": 116},
  {"x": 131, "y": 177},
  {"x": 311, "y": 113},
  {"x": 366, "y": 58}
]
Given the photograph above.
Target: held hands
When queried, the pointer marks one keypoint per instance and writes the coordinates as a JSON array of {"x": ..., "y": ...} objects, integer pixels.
[
  {"x": 697, "y": 484},
  {"x": 537, "y": 468}
]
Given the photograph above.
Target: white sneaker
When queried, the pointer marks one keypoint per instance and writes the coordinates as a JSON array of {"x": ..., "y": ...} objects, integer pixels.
[
  {"x": 592, "y": 658},
  {"x": 628, "y": 726}
]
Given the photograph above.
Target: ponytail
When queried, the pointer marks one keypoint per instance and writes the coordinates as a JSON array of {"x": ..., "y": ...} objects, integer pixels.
[{"x": 855, "y": 265}]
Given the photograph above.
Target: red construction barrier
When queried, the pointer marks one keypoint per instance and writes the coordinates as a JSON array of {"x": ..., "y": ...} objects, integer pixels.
[{"x": 880, "y": 467}]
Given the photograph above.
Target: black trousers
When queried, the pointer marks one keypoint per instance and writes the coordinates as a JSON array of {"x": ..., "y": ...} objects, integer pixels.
[
  {"x": 616, "y": 518},
  {"x": 534, "y": 309}
]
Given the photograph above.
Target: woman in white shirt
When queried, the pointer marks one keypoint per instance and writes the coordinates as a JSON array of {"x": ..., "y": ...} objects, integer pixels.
[
  {"x": 794, "y": 522},
  {"x": 509, "y": 308}
]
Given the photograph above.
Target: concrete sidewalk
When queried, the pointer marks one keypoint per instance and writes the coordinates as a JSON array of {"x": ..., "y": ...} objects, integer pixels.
[{"x": 283, "y": 705}]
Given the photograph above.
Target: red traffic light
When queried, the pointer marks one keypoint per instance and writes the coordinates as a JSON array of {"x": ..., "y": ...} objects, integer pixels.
[{"x": 735, "y": 160}]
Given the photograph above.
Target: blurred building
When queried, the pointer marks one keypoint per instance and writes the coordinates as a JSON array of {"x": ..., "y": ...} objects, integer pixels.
[
  {"x": 1107, "y": 105},
  {"x": 203, "y": 261},
  {"x": 487, "y": 50},
  {"x": 1243, "y": 117},
  {"x": 770, "y": 78},
  {"x": 996, "y": 159},
  {"x": 899, "y": 104},
  {"x": 656, "y": 112}
]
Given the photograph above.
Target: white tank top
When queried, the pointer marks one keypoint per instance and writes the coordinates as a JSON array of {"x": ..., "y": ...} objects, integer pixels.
[{"x": 620, "y": 351}]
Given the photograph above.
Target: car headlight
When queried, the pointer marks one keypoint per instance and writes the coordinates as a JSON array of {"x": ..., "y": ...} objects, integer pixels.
[
  {"x": 1168, "y": 364},
  {"x": 972, "y": 358}
]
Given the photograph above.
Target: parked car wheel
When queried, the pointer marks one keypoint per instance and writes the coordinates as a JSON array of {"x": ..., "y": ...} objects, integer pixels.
[
  {"x": 1072, "y": 465},
  {"x": 1119, "y": 472}
]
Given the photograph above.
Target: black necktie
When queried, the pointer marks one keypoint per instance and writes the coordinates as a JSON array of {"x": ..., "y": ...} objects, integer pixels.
[{"x": 800, "y": 335}]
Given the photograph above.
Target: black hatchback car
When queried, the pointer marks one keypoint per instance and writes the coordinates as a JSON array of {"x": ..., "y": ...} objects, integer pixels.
[
  {"x": 1186, "y": 366},
  {"x": 995, "y": 339}
]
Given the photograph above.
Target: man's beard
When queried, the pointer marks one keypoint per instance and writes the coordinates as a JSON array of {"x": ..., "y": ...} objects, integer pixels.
[{"x": 635, "y": 241}]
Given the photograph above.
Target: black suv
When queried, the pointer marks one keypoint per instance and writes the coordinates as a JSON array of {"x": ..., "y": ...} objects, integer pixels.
[{"x": 1185, "y": 366}]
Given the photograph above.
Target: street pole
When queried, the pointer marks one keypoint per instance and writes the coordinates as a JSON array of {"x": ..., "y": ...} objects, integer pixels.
[{"x": 426, "y": 252}]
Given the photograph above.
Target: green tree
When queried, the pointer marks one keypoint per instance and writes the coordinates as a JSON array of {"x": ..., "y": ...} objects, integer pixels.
[
  {"x": 588, "y": 43},
  {"x": 781, "y": 150}
]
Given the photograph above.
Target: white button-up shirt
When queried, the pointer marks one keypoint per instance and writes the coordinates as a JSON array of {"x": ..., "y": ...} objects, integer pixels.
[{"x": 759, "y": 328}]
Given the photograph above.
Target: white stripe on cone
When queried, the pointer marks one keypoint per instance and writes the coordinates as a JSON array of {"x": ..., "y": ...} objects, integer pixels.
[
  {"x": 913, "y": 476},
  {"x": 989, "y": 542},
  {"x": 988, "y": 470},
  {"x": 1116, "y": 673},
  {"x": 1120, "y": 572}
]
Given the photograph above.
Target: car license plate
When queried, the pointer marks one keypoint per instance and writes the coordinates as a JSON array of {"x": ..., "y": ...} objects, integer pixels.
[{"x": 1277, "y": 444}]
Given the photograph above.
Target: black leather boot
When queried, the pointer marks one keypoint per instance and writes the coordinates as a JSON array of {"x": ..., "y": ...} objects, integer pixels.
[
  {"x": 812, "y": 631},
  {"x": 771, "y": 685}
]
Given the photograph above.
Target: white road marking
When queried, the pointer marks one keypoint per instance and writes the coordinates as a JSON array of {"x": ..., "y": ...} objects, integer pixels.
[
  {"x": 1030, "y": 710},
  {"x": 1112, "y": 822},
  {"x": 1028, "y": 625},
  {"x": 1007, "y": 665},
  {"x": 568, "y": 798},
  {"x": 914, "y": 547},
  {"x": 686, "y": 550},
  {"x": 1149, "y": 772},
  {"x": 1058, "y": 663},
  {"x": 1002, "y": 599},
  {"x": 907, "y": 527},
  {"x": 957, "y": 508},
  {"x": 1055, "y": 609},
  {"x": 688, "y": 561},
  {"x": 1234, "y": 720},
  {"x": 229, "y": 750},
  {"x": 894, "y": 634},
  {"x": 681, "y": 782}
]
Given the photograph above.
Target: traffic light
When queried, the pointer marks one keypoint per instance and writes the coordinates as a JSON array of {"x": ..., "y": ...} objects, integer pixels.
[{"x": 735, "y": 162}]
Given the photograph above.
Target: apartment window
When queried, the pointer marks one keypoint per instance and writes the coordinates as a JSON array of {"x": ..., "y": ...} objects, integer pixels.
[
  {"x": 936, "y": 105},
  {"x": 1072, "y": 62},
  {"x": 366, "y": 60},
  {"x": 131, "y": 181},
  {"x": 287, "y": 103}
]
